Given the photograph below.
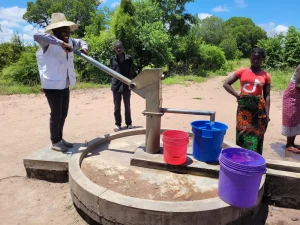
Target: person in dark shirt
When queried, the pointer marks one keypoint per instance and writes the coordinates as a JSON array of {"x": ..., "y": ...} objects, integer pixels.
[{"x": 123, "y": 64}]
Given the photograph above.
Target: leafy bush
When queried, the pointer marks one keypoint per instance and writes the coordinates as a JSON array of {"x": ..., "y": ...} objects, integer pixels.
[
  {"x": 195, "y": 57},
  {"x": 25, "y": 70},
  {"x": 281, "y": 78},
  {"x": 6, "y": 53},
  {"x": 101, "y": 49},
  {"x": 186, "y": 51},
  {"x": 211, "y": 30},
  {"x": 138, "y": 25},
  {"x": 154, "y": 47},
  {"x": 230, "y": 48},
  {"x": 11, "y": 51},
  {"x": 292, "y": 47},
  {"x": 213, "y": 57},
  {"x": 274, "y": 48},
  {"x": 245, "y": 33}
]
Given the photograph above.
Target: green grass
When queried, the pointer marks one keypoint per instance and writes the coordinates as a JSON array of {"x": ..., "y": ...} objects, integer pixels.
[
  {"x": 280, "y": 80},
  {"x": 230, "y": 66},
  {"x": 236, "y": 64},
  {"x": 184, "y": 80},
  {"x": 236, "y": 85},
  {"x": 10, "y": 88},
  {"x": 83, "y": 85}
]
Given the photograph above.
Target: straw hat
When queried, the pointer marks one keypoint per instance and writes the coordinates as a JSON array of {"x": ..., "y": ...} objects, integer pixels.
[{"x": 59, "y": 20}]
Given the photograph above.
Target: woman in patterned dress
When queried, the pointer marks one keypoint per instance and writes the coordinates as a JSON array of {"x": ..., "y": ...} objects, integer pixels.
[
  {"x": 291, "y": 112},
  {"x": 253, "y": 102}
]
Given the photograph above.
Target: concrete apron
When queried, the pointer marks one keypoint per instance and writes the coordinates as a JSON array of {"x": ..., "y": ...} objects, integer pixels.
[
  {"x": 281, "y": 187},
  {"x": 50, "y": 165},
  {"x": 105, "y": 206}
]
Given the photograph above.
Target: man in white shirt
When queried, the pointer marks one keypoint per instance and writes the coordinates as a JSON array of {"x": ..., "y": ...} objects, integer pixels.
[{"x": 56, "y": 67}]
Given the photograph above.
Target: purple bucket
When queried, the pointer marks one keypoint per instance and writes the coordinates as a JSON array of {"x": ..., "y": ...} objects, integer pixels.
[
  {"x": 245, "y": 170},
  {"x": 243, "y": 158},
  {"x": 240, "y": 175}
]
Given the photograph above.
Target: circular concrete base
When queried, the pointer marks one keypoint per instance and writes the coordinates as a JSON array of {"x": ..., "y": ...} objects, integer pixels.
[{"x": 105, "y": 206}]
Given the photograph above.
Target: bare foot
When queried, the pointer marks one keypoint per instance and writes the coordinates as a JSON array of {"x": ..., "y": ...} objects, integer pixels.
[{"x": 293, "y": 149}]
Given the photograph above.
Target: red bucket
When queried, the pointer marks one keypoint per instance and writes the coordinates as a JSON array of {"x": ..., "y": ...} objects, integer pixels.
[{"x": 175, "y": 144}]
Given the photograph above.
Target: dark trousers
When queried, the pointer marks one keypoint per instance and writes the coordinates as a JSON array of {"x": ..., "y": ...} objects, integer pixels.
[
  {"x": 59, "y": 105},
  {"x": 117, "y": 112}
]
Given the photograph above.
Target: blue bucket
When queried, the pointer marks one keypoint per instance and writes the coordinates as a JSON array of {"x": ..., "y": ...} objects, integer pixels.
[{"x": 208, "y": 140}]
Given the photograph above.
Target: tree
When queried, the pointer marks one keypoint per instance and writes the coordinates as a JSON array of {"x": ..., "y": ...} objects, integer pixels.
[
  {"x": 292, "y": 47},
  {"x": 144, "y": 36},
  {"x": 6, "y": 53},
  {"x": 10, "y": 52},
  {"x": 100, "y": 48},
  {"x": 17, "y": 45},
  {"x": 237, "y": 21},
  {"x": 230, "y": 48},
  {"x": 274, "y": 48},
  {"x": 175, "y": 17},
  {"x": 99, "y": 21},
  {"x": 147, "y": 11},
  {"x": 213, "y": 57},
  {"x": 192, "y": 56},
  {"x": 153, "y": 46},
  {"x": 211, "y": 30},
  {"x": 39, "y": 12},
  {"x": 124, "y": 24},
  {"x": 245, "y": 32},
  {"x": 186, "y": 51},
  {"x": 25, "y": 70},
  {"x": 80, "y": 12}
]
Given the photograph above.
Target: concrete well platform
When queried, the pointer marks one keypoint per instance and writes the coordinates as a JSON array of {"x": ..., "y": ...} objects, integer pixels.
[
  {"x": 107, "y": 188},
  {"x": 49, "y": 165},
  {"x": 281, "y": 184}
]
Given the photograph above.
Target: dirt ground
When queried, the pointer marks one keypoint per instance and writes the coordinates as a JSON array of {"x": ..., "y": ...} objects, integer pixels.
[{"x": 24, "y": 129}]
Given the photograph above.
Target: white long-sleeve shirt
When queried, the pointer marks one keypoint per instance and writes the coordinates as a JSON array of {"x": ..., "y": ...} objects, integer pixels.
[{"x": 44, "y": 40}]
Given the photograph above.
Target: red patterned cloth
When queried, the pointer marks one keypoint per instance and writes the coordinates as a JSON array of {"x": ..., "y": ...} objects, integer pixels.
[{"x": 291, "y": 111}]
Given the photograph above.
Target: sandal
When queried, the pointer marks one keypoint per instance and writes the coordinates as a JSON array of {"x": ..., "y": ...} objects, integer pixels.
[
  {"x": 297, "y": 146},
  {"x": 293, "y": 149}
]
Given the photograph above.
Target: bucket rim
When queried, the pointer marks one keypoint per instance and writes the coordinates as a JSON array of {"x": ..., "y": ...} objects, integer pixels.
[
  {"x": 164, "y": 134},
  {"x": 254, "y": 154},
  {"x": 208, "y": 121}
]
